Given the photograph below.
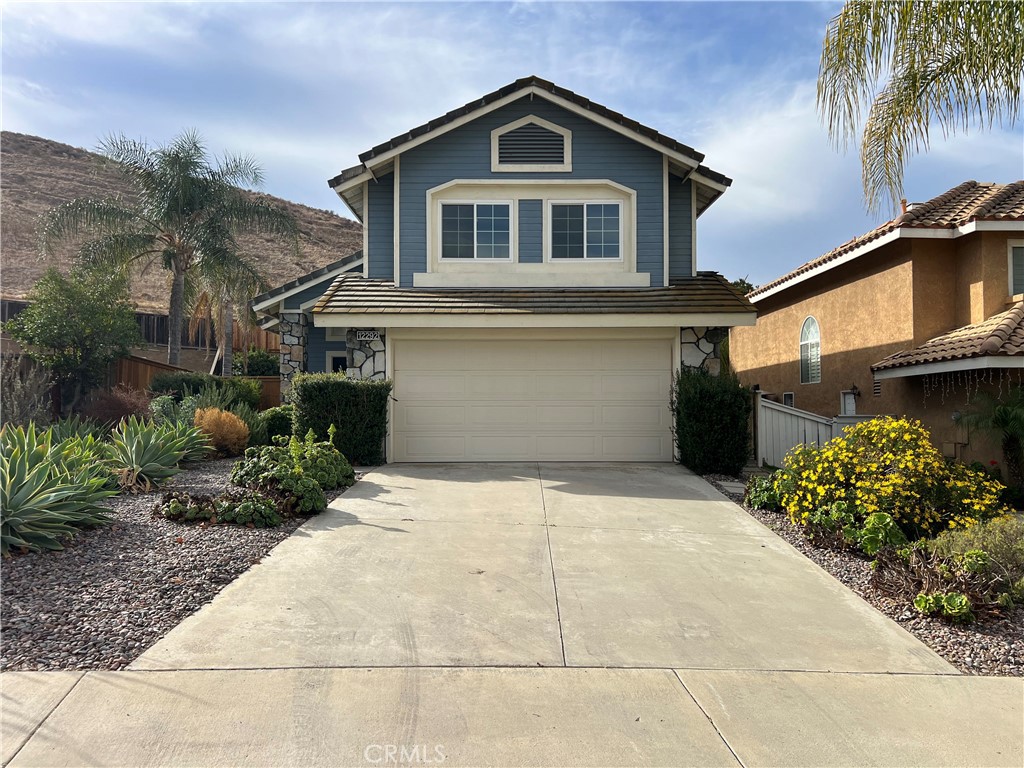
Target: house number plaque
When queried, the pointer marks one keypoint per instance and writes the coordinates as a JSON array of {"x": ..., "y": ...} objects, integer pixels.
[{"x": 367, "y": 335}]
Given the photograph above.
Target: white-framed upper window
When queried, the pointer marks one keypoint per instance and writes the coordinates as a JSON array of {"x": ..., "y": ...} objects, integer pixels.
[
  {"x": 586, "y": 230},
  {"x": 1015, "y": 257},
  {"x": 810, "y": 352},
  {"x": 531, "y": 145},
  {"x": 476, "y": 230}
]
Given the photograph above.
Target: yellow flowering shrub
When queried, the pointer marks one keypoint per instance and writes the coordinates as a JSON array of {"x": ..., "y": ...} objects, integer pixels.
[{"x": 887, "y": 465}]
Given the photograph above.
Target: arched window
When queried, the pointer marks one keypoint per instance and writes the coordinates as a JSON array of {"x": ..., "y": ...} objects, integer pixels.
[{"x": 810, "y": 352}]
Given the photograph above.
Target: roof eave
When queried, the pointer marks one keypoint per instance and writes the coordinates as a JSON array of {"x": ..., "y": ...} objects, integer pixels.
[{"x": 949, "y": 366}]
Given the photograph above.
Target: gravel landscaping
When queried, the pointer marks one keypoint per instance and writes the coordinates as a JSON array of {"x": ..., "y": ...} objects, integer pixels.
[
  {"x": 114, "y": 591},
  {"x": 992, "y": 645}
]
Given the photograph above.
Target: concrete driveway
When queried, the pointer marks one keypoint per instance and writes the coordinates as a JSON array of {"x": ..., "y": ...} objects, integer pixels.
[{"x": 529, "y": 615}]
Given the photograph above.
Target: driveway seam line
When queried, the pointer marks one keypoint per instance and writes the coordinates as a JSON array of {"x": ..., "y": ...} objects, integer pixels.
[
  {"x": 39, "y": 725},
  {"x": 534, "y": 665},
  {"x": 551, "y": 562},
  {"x": 710, "y": 721}
]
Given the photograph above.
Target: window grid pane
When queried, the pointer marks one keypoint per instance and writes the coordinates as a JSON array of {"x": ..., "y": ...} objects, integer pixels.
[
  {"x": 457, "y": 231},
  {"x": 567, "y": 231},
  {"x": 492, "y": 231}
]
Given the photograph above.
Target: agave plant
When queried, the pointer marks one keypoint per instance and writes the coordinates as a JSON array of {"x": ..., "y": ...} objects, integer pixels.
[
  {"x": 76, "y": 426},
  {"x": 144, "y": 454},
  {"x": 40, "y": 501},
  {"x": 82, "y": 457},
  {"x": 194, "y": 441}
]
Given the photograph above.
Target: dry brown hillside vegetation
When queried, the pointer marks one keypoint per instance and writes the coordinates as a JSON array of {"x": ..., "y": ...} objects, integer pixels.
[{"x": 37, "y": 174}]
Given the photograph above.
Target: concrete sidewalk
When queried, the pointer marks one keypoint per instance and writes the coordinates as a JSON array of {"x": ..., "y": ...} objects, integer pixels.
[{"x": 525, "y": 615}]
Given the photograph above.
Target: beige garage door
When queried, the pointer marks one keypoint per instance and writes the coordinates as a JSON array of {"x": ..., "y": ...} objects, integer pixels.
[{"x": 532, "y": 400}]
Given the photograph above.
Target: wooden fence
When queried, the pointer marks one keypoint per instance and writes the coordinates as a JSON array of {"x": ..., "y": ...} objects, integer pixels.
[
  {"x": 139, "y": 372},
  {"x": 779, "y": 428}
]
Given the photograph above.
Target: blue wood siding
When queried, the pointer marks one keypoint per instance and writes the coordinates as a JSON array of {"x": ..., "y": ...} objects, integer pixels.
[
  {"x": 314, "y": 291},
  {"x": 680, "y": 227},
  {"x": 317, "y": 347},
  {"x": 380, "y": 207},
  {"x": 465, "y": 153},
  {"x": 531, "y": 231}
]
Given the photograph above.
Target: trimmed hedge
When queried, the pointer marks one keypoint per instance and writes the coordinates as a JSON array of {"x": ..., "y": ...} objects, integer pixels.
[
  {"x": 357, "y": 407},
  {"x": 278, "y": 421},
  {"x": 712, "y": 427},
  {"x": 185, "y": 383}
]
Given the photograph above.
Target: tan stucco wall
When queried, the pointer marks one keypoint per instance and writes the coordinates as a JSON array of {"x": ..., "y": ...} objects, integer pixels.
[{"x": 891, "y": 299}]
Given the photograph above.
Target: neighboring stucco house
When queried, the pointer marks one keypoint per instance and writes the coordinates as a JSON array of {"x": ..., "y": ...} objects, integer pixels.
[
  {"x": 908, "y": 319},
  {"x": 528, "y": 280}
]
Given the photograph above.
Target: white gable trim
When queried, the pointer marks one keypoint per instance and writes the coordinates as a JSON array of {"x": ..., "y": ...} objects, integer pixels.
[
  {"x": 279, "y": 298},
  {"x": 565, "y": 133},
  {"x": 384, "y": 157}
]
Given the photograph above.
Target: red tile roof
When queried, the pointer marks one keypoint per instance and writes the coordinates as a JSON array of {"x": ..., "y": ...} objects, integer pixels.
[
  {"x": 971, "y": 201},
  {"x": 999, "y": 335}
]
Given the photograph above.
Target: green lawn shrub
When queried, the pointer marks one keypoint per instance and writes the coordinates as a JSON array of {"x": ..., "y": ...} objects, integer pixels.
[
  {"x": 278, "y": 421},
  {"x": 44, "y": 500},
  {"x": 238, "y": 507},
  {"x": 712, "y": 428},
  {"x": 891, "y": 466},
  {"x": 256, "y": 362},
  {"x": 357, "y": 407},
  {"x": 221, "y": 391},
  {"x": 761, "y": 494},
  {"x": 295, "y": 472},
  {"x": 143, "y": 454}
]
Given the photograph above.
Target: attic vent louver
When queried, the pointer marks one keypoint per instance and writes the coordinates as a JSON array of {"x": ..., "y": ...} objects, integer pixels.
[{"x": 531, "y": 144}]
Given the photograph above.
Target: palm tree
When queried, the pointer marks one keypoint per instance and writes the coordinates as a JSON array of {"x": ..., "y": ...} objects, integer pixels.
[
  {"x": 1005, "y": 417},
  {"x": 955, "y": 64},
  {"x": 213, "y": 294},
  {"x": 184, "y": 215}
]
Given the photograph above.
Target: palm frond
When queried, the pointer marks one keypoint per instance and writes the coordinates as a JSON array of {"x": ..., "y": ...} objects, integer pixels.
[
  {"x": 74, "y": 217},
  {"x": 960, "y": 61}
]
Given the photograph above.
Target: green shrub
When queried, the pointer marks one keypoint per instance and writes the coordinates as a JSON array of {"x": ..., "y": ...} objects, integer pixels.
[
  {"x": 180, "y": 383},
  {"x": 712, "y": 428},
  {"x": 245, "y": 391},
  {"x": 887, "y": 465},
  {"x": 240, "y": 507},
  {"x": 278, "y": 421},
  {"x": 41, "y": 500},
  {"x": 1001, "y": 540},
  {"x": 216, "y": 391},
  {"x": 834, "y": 525},
  {"x": 761, "y": 494},
  {"x": 254, "y": 421},
  {"x": 357, "y": 407},
  {"x": 954, "y": 606},
  {"x": 144, "y": 454},
  {"x": 256, "y": 362},
  {"x": 294, "y": 471},
  {"x": 24, "y": 392}
]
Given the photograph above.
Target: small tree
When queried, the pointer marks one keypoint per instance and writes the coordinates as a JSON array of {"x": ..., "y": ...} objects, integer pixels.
[
  {"x": 712, "y": 427},
  {"x": 76, "y": 326}
]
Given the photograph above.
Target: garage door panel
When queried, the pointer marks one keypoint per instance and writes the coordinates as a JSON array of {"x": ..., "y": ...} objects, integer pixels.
[
  {"x": 419, "y": 415},
  {"x": 432, "y": 386},
  {"x": 564, "y": 385},
  {"x": 432, "y": 448},
  {"x": 567, "y": 415},
  {"x": 501, "y": 415},
  {"x": 633, "y": 416},
  {"x": 533, "y": 399},
  {"x": 491, "y": 386}
]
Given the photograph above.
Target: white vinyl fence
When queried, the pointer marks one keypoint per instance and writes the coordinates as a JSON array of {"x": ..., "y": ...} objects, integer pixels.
[{"x": 779, "y": 428}]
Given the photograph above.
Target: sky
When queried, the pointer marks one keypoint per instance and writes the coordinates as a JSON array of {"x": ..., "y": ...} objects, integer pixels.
[{"x": 306, "y": 87}]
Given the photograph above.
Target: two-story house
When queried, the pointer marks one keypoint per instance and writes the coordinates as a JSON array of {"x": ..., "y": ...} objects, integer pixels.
[
  {"x": 528, "y": 280},
  {"x": 913, "y": 318}
]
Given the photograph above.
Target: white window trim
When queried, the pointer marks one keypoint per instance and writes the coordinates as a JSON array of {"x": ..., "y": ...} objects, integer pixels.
[
  {"x": 563, "y": 167},
  {"x": 801, "y": 356},
  {"x": 475, "y": 203},
  {"x": 1010, "y": 245},
  {"x": 329, "y": 360},
  {"x": 548, "y": 235},
  {"x": 336, "y": 334}
]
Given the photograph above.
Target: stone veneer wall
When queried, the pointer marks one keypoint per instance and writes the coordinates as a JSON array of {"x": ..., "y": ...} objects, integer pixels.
[
  {"x": 701, "y": 348},
  {"x": 366, "y": 359},
  {"x": 293, "y": 328}
]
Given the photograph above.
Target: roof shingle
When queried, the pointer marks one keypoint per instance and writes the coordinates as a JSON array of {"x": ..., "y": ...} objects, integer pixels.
[
  {"x": 999, "y": 335},
  {"x": 706, "y": 292},
  {"x": 970, "y": 201}
]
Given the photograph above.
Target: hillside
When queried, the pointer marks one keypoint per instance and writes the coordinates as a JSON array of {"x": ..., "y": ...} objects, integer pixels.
[{"x": 36, "y": 174}]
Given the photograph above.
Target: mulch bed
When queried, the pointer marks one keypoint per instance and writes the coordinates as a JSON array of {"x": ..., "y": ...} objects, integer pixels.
[
  {"x": 114, "y": 591},
  {"x": 992, "y": 645}
]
